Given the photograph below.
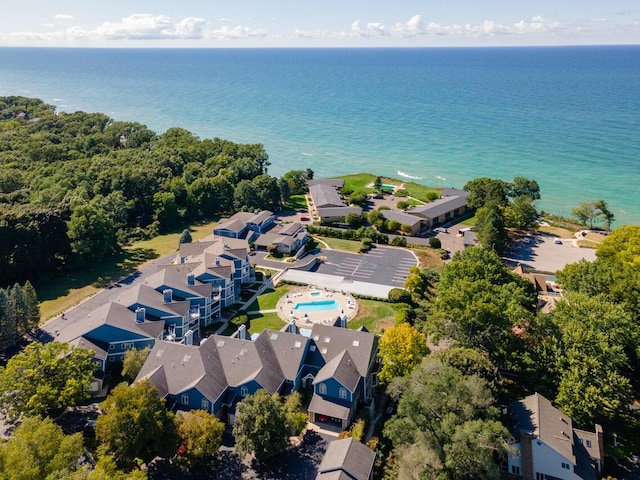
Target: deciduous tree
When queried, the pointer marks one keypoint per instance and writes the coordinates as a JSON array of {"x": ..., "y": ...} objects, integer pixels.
[
  {"x": 45, "y": 379},
  {"x": 135, "y": 424},
  {"x": 38, "y": 450},
  {"x": 200, "y": 433},
  {"x": 446, "y": 426},
  {"x": 260, "y": 426},
  {"x": 402, "y": 348},
  {"x": 133, "y": 361}
]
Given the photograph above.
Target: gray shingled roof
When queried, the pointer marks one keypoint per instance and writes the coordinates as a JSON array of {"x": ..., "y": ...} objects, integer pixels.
[
  {"x": 325, "y": 196},
  {"x": 112, "y": 314},
  {"x": 289, "y": 350},
  {"x": 350, "y": 456},
  {"x": 184, "y": 367},
  {"x": 340, "y": 368},
  {"x": 242, "y": 362},
  {"x": 175, "y": 276},
  {"x": 260, "y": 217},
  {"x": 402, "y": 217},
  {"x": 439, "y": 207},
  {"x": 147, "y": 296},
  {"x": 290, "y": 229},
  {"x": 333, "y": 182},
  {"x": 360, "y": 345},
  {"x": 537, "y": 416},
  {"x": 325, "y": 407}
]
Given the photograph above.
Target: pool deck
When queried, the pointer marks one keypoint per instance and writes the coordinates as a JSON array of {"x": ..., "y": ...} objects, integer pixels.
[{"x": 286, "y": 312}]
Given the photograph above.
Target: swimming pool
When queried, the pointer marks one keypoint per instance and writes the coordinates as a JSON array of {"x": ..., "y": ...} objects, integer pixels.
[
  {"x": 387, "y": 187},
  {"x": 315, "y": 294},
  {"x": 317, "y": 306}
]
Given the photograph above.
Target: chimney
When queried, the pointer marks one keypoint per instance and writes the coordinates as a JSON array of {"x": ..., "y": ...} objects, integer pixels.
[
  {"x": 188, "y": 337},
  {"x": 292, "y": 326},
  {"x": 191, "y": 279},
  {"x": 242, "y": 332},
  {"x": 167, "y": 295},
  {"x": 140, "y": 314},
  {"x": 217, "y": 262}
]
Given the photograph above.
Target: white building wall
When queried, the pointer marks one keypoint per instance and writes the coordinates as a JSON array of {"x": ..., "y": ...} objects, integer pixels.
[{"x": 548, "y": 461}]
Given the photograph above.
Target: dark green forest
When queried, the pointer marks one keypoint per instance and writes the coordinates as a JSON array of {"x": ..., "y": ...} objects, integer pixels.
[{"x": 76, "y": 186}]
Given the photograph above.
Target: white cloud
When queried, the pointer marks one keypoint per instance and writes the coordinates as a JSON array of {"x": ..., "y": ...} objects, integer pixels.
[
  {"x": 62, "y": 16},
  {"x": 237, "y": 32}
]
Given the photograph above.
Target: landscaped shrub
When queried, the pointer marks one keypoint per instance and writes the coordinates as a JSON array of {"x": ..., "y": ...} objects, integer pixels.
[
  {"x": 434, "y": 242},
  {"x": 401, "y": 192},
  {"x": 399, "y": 295},
  {"x": 399, "y": 242}
]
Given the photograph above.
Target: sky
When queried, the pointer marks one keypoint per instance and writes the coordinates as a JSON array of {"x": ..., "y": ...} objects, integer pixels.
[{"x": 318, "y": 23}]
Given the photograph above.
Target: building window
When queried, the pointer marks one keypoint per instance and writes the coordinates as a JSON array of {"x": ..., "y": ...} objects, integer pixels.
[
  {"x": 343, "y": 393},
  {"x": 244, "y": 391},
  {"x": 589, "y": 443},
  {"x": 566, "y": 466},
  {"x": 515, "y": 469},
  {"x": 205, "y": 404},
  {"x": 322, "y": 389},
  {"x": 540, "y": 476},
  {"x": 111, "y": 347},
  {"x": 185, "y": 400}
]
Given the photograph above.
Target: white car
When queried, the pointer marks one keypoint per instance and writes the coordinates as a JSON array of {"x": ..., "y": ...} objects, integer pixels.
[
  {"x": 557, "y": 241},
  {"x": 526, "y": 240},
  {"x": 441, "y": 230}
]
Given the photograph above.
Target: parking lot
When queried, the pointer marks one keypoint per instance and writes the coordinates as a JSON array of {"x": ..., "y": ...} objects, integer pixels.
[{"x": 382, "y": 265}]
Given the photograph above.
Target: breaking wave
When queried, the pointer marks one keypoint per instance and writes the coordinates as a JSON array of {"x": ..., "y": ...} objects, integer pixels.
[{"x": 406, "y": 175}]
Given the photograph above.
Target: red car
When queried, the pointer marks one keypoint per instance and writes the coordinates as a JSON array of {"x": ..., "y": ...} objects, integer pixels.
[{"x": 304, "y": 219}]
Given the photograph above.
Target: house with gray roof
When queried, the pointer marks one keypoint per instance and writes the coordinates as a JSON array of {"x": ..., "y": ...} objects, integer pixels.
[
  {"x": 346, "y": 459},
  {"x": 287, "y": 238},
  {"x": 241, "y": 223},
  {"x": 348, "y": 361},
  {"x": 451, "y": 205},
  {"x": 328, "y": 203},
  {"x": 110, "y": 331},
  {"x": 548, "y": 446},
  {"x": 418, "y": 225},
  {"x": 341, "y": 375},
  {"x": 332, "y": 182}
]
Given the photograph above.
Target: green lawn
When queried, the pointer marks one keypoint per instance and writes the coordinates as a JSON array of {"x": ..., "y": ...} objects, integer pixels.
[
  {"x": 340, "y": 244},
  {"x": 269, "y": 299},
  {"x": 296, "y": 202},
  {"x": 421, "y": 192},
  {"x": 257, "y": 323},
  {"x": 374, "y": 315},
  {"x": 358, "y": 181}
]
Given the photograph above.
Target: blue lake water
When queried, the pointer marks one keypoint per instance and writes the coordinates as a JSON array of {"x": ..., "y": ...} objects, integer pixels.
[{"x": 566, "y": 116}]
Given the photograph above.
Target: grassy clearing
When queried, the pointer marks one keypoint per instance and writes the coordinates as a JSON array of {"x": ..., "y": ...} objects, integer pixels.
[
  {"x": 587, "y": 244},
  {"x": 428, "y": 257},
  {"x": 257, "y": 323},
  {"x": 421, "y": 192},
  {"x": 374, "y": 315},
  {"x": 297, "y": 202},
  {"x": 555, "y": 231},
  {"x": 70, "y": 289},
  {"x": 358, "y": 181},
  {"x": 340, "y": 244},
  {"x": 269, "y": 299}
]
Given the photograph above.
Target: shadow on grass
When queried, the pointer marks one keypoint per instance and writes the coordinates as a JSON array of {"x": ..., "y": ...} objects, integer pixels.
[{"x": 101, "y": 275}]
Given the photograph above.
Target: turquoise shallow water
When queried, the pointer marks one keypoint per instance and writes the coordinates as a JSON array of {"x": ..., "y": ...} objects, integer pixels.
[{"x": 567, "y": 116}]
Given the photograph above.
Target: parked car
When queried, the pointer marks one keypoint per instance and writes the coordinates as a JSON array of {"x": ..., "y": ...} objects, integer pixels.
[
  {"x": 557, "y": 241},
  {"x": 304, "y": 219},
  {"x": 526, "y": 240},
  {"x": 441, "y": 230}
]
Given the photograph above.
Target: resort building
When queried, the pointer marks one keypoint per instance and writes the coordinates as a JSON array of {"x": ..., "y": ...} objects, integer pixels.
[
  {"x": 548, "y": 446},
  {"x": 245, "y": 225},
  {"x": 171, "y": 304},
  {"x": 328, "y": 203},
  {"x": 451, "y": 205},
  {"x": 418, "y": 225},
  {"x": 339, "y": 364}
]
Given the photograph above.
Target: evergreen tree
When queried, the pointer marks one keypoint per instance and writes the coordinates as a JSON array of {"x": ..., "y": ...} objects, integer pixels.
[
  {"x": 33, "y": 306},
  {"x": 18, "y": 309}
]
